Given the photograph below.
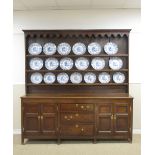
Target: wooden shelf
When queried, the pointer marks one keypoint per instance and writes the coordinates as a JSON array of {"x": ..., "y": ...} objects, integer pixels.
[
  {"x": 85, "y": 55},
  {"x": 76, "y": 70},
  {"x": 81, "y": 84}
]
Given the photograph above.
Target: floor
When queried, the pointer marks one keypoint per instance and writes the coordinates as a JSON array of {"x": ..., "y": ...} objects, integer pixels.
[{"x": 77, "y": 147}]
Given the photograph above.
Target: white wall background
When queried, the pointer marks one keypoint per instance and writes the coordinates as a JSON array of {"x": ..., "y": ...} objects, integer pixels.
[{"x": 77, "y": 19}]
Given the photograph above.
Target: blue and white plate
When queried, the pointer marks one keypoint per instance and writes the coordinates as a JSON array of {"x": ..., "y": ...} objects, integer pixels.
[
  {"x": 36, "y": 78},
  {"x": 90, "y": 78},
  {"x": 115, "y": 63},
  {"x": 110, "y": 48},
  {"x": 79, "y": 48},
  {"x": 118, "y": 77},
  {"x": 66, "y": 63},
  {"x": 94, "y": 48},
  {"x": 35, "y": 49},
  {"x": 51, "y": 63},
  {"x": 49, "y": 78},
  {"x": 64, "y": 48},
  {"x": 82, "y": 63},
  {"x": 49, "y": 48},
  {"x": 104, "y": 77},
  {"x": 76, "y": 78},
  {"x": 36, "y": 63},
  {"x": 98, "y": 63},
  {"x": 62, "y": 78}
]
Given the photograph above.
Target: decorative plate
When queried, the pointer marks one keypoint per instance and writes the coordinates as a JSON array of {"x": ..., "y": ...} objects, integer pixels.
[
  {"x": 49, "y": 48},
  {"x": 62, "y": 78},
  {"x": 79, "y": 48},
  {"x": 82, "y": 63},
  {"x": 66, "y": 63},
  {"x": 98, "y": 63},
  {"x": 115, "y": 63},
  {"x": 118, "y": 77},
  {"x": 110, "y": 48},
  {"x": 76, "y": 78},
  {"x": 36, "y": 63},
  {"x": 90, "y": 77},
  {"x": 35, "y": 49},
  {"x": 94, "y": 48},
  {"x": 64, "y": 49},
  {"x": 49, "y": 78},
  {"x": 104, "y": 77},
  {"x": 36, "y": 78},
  {"x": 51, "y": 63}
]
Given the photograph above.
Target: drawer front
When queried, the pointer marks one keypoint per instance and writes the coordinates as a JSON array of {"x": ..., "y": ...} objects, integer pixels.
[
  {"x": 77, "y": 130},
  {"x": 76, "y": 117},
  {"x": 77, "y": 107}
]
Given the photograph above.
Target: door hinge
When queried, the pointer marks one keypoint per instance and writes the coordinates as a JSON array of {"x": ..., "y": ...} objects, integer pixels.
[
  {"x": 130, "y": 130},
  {"x": 130, "y": 108},
  {"x": 23, "y": 129}
]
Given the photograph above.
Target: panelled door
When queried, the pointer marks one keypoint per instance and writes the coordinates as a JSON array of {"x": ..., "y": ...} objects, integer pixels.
[
  {"x": 104, "y": 120},
  {"x": 31, "y": 120},
  {"x": 48, "y": 119}
]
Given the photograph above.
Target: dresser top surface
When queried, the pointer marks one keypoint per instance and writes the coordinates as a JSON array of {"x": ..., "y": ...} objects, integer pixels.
[{"x": 88, "y": 95}]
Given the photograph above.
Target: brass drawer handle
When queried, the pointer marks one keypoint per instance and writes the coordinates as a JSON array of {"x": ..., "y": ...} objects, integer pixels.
[
  {"x": 76, "y": 125},
  {"x": 41, "y": 117},
  {"x": 38, "y": 117},
  {"x": 115, "y": 117},
  {"x": 82, "y": 107},
  {"x": 77, "y": 115}
]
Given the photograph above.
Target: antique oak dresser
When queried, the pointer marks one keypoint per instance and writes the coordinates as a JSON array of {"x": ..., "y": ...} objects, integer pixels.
[{"x": 77, "y": 85}]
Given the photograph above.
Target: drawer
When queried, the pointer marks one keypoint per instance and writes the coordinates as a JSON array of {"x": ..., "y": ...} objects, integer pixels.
[
  {"x": 77, "y": 107},
  {"x": 78, "y": 117},
  {"x": 77, "y": 130}
]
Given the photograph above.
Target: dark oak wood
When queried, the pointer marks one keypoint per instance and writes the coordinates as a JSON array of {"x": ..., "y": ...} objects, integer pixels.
[{"x": 77, "y": 111}]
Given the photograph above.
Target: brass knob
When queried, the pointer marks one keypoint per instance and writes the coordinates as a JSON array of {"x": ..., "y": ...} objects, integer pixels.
[
  {"x": 76, "y": 125},
  {"x": 65, "y": 117},
  {"x": 41, "y": 117},
  {"x": 77, "y": 115},
  {"x": 71, "y": 116},
  {"x": 38, "y": 117},
  {"x": 111, "y": 116},
  {"x": 115, "y": 117},
  {"x": 77, "y": 105},
  {"x": 82, "y": 107},
  {"x": 82, "y": 129}
]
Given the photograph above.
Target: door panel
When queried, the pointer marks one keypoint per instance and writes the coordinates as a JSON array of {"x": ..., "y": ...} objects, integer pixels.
[
  {"x": 104, "y": 119},
  {"x": 48, "y": 119},
  {"x": 121, "y": 118},
  {"x": 31, "y": 119}
]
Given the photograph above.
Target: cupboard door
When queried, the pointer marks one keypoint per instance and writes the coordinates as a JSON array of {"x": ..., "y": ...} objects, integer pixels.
[
  {"x": 48, "y": 119},
  {"x": 104, "y": 119},
  {"x": 31, "y": 119},
  {"x": 121, "y": 118}
]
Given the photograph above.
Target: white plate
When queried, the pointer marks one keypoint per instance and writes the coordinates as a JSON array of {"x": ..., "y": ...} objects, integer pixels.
[
  {"x": 90, "y": 77},
  {"x": 82, "y": 63},
  {"x": 79, "y": 48},
  {"x": 104, "y": 77},
  {"x": 35, "y": 49},
  {"x": 98, "y": 63},
  {"x": 94, "y": 48},
  {"x": 62, "y": 78},
  {"x": 36, "y": 63},
  {"x": 110, "y": 48},
  {"x": 51, "y": 63},
  {"x": 76, "y": 78},
  {"x": 66, "y": 63},
  {"x": 49, "y": 48},
  {"x": 64, "y": 49},
  {"x": 118, "y": 77},
  {"x": 36, "y": 78},
  {"x": 115, "y": 63},
  {"x": 49, "y": 78}
]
